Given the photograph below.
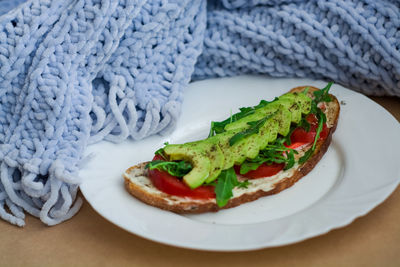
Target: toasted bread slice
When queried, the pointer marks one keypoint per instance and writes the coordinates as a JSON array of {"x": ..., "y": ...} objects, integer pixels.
[{"x": 139, "y": 185}]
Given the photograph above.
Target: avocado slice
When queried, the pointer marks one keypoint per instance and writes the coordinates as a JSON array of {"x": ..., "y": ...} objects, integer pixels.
[
  {"x": 226, "y": 149},
  {"x": 216, "y": 157},
  {"x": 283, "y": 118},
  {"x": 294, "y": 106},
  {"x": 301, "y": 99},
  {"x": 196, "y": 156}
]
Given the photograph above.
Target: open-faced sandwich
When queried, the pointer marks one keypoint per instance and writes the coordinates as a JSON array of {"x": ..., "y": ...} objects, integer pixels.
[{"x": 256, "y": 152}]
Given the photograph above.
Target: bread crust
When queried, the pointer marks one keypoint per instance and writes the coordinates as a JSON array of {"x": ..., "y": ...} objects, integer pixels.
[{"x": 188, "y": 205}]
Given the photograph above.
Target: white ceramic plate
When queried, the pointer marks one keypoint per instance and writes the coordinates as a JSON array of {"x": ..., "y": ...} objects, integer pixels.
[{"x": 360, "y": 170}]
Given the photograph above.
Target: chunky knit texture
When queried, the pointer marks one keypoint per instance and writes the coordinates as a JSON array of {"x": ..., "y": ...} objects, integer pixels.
[{"x": 75, "y": 72}]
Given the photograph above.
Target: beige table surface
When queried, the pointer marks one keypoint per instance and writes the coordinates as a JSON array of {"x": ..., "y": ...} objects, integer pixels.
[{"x": 89, "y": 240}]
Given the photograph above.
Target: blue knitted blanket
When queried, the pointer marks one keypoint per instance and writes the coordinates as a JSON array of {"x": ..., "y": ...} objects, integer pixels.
[{"x": 75, "y": 72}]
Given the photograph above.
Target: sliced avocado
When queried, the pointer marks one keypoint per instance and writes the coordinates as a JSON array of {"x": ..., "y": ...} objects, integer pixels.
[
  {"x": 216, "y": 157},
  {"x": 214, "y": 154},
  {"x": 302, "y": 100},
  {"x": 262, "y": 138},
  {"x": 252, "y": 146},
  {"x": 196, "y": 156},
  {"x": 199, "y": 173},
  {"x": 239, "y": 150},
  {"x": 267, "y": 134},
  {"x": 295, "y": 113},
  {"x": 294, "y": 107},
  {"x": 229, "y": 156},
  {"x": 283, "y": 117},
  {"x": 273, "y": 128}
]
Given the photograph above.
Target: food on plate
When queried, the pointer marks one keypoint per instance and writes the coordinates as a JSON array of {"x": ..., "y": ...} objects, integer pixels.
[{"x": 256, "y": 152}]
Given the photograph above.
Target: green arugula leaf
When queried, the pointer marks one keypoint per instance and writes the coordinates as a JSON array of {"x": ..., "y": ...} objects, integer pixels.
[
  {"x": 160, "y": 151},
  {"x": 226, "y": 181},
  {"x": 286, "y": 139},
  {"x": 304, "y": 124},
  {"x": 244, "y": 184},
  {"x": 305, "y": 91},
  {"x": 321, "y": 120},
  {"x": 306, "y": 156},
  {"x": 290, "y": 160},
  {"x": 263, "y": 103},
  {"x": 250, "y": 166},
  {"x": 212, "y": 129},
  {"x": 323, "y": 94},
  {"x": 177, "y": 169}
]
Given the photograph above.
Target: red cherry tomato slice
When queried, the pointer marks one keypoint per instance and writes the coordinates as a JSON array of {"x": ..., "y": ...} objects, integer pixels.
[
  {"x": 312, "y": 119},
  {"x": 169, "y": 184},
  {"x": 264, "y": 170},
  {"x": 294, "y": 145},
  {"x": 302, "y": 137},
  {"x": 158, "y": 157},
  {"x": 324, "y": 133}
]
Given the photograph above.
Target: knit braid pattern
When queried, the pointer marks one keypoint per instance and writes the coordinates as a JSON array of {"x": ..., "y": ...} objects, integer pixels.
[
  {"x": 75, "y": 72},
  {"x": 79, "y": 71},
  {"x": 352, "y": 42}
]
